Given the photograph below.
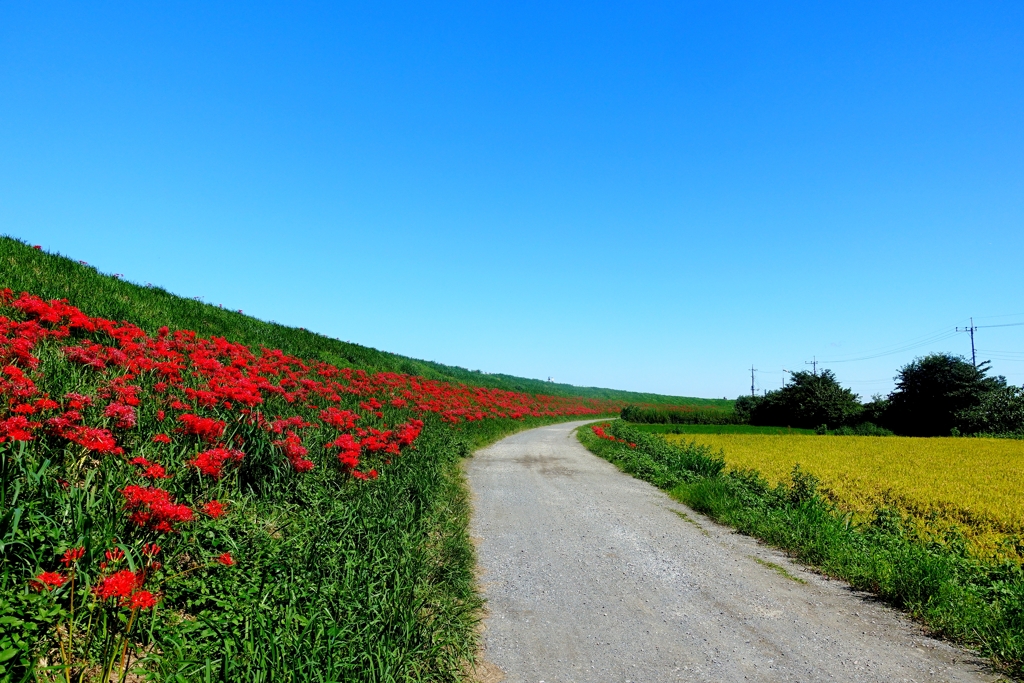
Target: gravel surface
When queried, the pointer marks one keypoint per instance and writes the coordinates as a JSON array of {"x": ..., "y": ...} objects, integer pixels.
[{"x": 591, "y": 575}]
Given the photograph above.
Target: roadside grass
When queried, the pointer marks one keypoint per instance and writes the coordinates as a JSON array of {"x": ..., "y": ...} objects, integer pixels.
[
  {"x": 717, "y": 429},
  {"x": 690, "y": 520},
  {"x": 974, "y": 602},
  {"x": 778, "y": 569}
]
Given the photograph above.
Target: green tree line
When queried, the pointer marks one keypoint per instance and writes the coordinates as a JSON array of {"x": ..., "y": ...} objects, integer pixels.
[{"x": 938, "y": 395}]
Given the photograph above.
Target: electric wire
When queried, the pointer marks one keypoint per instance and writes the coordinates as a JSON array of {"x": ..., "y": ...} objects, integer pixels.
[{"x": 901, "y": 349}]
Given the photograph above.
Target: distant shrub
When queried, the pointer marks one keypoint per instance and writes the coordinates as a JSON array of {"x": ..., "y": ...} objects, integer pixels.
[
  {"x": 697, "y": 415},
  {"x": 863, "y": 429}
]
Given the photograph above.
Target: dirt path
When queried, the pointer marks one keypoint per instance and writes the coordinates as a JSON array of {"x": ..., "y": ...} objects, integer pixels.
[{"x": 591, "y": 575}]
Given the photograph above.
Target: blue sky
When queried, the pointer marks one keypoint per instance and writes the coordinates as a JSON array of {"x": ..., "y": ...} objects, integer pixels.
[{"x": 635, "y": 195}]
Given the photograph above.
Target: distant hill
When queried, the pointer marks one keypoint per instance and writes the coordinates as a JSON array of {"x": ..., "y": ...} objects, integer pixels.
[{"x": 24, "y": 268}]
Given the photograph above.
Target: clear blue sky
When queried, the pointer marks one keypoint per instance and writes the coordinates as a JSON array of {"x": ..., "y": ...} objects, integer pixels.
[{"x": 634, "y": 195}]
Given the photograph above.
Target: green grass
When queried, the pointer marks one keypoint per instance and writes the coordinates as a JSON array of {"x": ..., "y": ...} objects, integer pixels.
[
  {"x": 778, "y": 569},
  {"x": 53, "y": 276},
  {"x": 972, "y": 602},
  {"x": 716, "y": 429}
]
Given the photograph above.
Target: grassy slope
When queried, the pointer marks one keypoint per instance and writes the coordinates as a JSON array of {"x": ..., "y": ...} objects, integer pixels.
[{"x": 52, "y": 276}]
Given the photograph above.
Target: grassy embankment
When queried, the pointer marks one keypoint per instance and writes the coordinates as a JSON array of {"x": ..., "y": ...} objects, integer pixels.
[
  {"x": 328, "y": 578},
  {"x": 960, "y": 596},
  {"x": 52, "y": 276}
]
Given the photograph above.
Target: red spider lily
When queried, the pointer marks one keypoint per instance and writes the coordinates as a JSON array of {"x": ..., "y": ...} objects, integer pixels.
[
  {"x": 48, "y": 581},
  {"x": 124, "y": 415},
  {"x": 114, "y": 554},
  {"x": 280, "y": 425},
  {"x": 214, "y": 509},
  {"x": 226, "y": 559},
  {"x": 118, "y": 585},
  {"x": 409, "y": 432},
  {"x": 92, "y": 438},
  {"x": 72, "y": 555},
  {"x": 150, "y": 549},
  {"x": 151, "y": 470},
  {"x": 339, "y": 419},
  {"x": 142, "y": 600},
  {"x": 205, "y": 428},
  {"x": 350, "y": 449},
  {"x": 295, "y": 452},
  {"x": 155, "y": 472},
  {"x": 78, "y": 401},
  {"x": 161, "y": 438},
  {"x": 45, "y": 404},
  {"x": 17, "y": 428},
  {"x": 153, "y": 508},
  {"x": 601, "y": 434},
  {"x": 211, "y": 462}
]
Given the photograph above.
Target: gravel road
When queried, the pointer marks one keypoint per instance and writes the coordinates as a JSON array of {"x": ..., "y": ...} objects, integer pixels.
[{"x": 591, "y": 575}]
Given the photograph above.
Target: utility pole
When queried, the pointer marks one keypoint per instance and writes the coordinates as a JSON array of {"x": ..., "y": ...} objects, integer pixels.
[
  {"x": 813, "y": 363},
  {"x": 752, "y": 371},
  {"x": 971, "y": 329}
]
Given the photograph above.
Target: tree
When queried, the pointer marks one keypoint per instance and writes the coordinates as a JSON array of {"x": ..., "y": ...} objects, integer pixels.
[
  {"x": 1000, "y": 412},
  {"x": 744, "y": 407},
  {"x": 938, "y": 393},
  {"x": 809, "y": 401}
]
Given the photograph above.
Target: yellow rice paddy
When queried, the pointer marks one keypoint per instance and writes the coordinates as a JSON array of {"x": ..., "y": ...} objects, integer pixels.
[{"x": 976, "y": 485}]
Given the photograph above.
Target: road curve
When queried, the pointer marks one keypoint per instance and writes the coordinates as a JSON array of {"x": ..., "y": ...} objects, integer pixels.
[{"x": 591, "y": 575}]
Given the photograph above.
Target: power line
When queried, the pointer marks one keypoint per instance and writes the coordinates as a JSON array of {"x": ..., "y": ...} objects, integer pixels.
[
  {"x": 1003, "y": 325},
  {"x": 813, "y": 363},
  {"x": 935, "y": 338},
  {"x": 1001, "y": 353},
  {"x": 752, "y": 371}
]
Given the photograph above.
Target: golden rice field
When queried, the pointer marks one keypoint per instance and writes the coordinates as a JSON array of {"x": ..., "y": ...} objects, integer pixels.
[{"x": 976, "y": 485}]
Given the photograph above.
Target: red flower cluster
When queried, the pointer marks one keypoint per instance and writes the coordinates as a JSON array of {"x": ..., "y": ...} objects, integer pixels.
[
  {"x": 118, "y": 585},
  {"x": 601, "y": 434},
  {"x": 123, "y": 415},
  {"x": 72, "y": 556},
  {"x": 295, "y": 452},
  {"x": 150, "y": 470},
  {"x": 48, "y": 581},
  {"x": 153, "y": 508},
  {"x": 206, "y": 428},
  {"x": 232, "y": 378},
  {"x": 214, "y": 509},
  {"x": 211, "y": 462}
]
